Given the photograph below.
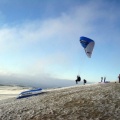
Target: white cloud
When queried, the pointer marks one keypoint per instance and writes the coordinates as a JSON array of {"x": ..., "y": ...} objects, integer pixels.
[{"x": 63, "y": 28}]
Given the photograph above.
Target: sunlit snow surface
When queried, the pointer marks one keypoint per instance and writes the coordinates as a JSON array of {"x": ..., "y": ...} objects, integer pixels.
[
  {"x": 85, "y": 102},
  {"x": 10, "y": 91}
]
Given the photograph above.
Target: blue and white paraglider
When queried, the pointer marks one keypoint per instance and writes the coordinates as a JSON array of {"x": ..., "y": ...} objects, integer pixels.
[
  {"x": 88, "y": 45},
  {"x": 29, "y": 93}
]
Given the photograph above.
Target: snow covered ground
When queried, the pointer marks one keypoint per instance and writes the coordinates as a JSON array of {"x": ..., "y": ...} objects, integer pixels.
[
  {"x": 80, "y": 102},
  {"x": 10, "y": 91}
]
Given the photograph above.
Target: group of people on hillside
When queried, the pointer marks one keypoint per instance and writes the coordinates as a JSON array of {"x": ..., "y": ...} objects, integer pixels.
[
  {"x": 103, "y": 79},
  {"x": 79, "y": 79}
]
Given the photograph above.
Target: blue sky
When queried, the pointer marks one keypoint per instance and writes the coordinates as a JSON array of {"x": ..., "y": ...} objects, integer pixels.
[{"x": 39, "y": 40}]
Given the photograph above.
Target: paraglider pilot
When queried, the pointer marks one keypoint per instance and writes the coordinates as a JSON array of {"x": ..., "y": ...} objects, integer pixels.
[{"x": 78, "y": 79}]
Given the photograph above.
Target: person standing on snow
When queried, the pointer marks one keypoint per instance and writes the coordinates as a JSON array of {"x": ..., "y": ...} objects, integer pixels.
[
  {"x": 85, "y": 81},
  {"x": 104, "y": 79},
  {"x": 119, "y": 78},
  {"x": 101, "y": 79}
]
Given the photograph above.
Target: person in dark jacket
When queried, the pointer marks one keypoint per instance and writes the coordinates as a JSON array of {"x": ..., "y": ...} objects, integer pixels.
[
  {"x": 101, "y": 79},
  {"x": 104, "y": 79},
  {"x": 85, "y": 81},
  {"x": 119, "y": 78},
  {"x": 78, "y": 79}
]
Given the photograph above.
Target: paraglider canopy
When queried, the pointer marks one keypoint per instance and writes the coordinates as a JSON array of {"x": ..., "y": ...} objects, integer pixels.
[{"x": 88, "y": 45}]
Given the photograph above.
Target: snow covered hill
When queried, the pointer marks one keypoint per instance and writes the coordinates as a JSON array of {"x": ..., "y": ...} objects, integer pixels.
[{"x": 86, "y": 102}]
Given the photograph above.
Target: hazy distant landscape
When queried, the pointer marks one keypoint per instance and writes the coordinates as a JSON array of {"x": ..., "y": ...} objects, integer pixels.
[{"x": 42, "y": 83}]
